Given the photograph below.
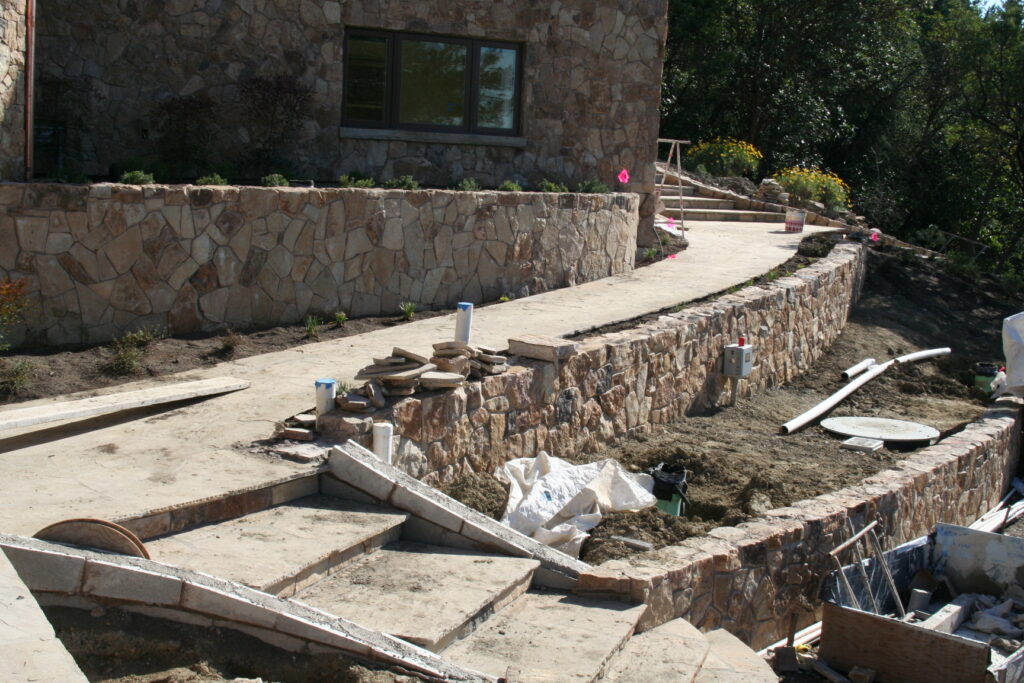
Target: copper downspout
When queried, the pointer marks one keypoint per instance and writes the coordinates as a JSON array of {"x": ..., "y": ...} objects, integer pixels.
[{"x": 30, "y": 77}]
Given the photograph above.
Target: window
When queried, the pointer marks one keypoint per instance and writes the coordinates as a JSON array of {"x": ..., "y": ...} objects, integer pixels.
[{"x": 435, "y": 83}]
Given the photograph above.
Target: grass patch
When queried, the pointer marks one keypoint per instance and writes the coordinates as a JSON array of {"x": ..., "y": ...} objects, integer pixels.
[
  {"x": 15, "y": 377},
  {"x": 313, "y": 324},
  {"x": 407, "y": 309}
]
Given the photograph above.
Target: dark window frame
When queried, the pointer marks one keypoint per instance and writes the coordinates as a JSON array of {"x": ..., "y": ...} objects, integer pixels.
[{"x": 393, "y": 83}]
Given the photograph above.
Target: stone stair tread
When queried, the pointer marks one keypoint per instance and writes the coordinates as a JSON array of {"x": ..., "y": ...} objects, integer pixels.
[
  {"x": 262, "y": 548},
  {"x": 422, "y": 593},
  {"x": 733, "y": 215},
  {"x": 549, "y": 636},
  {"x": 673, "y": 651},
  {"x": 730, "y": 660}
]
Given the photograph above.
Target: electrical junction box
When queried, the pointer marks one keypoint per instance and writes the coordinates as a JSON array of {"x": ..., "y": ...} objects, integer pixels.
[{"x": 738, "y": 360}]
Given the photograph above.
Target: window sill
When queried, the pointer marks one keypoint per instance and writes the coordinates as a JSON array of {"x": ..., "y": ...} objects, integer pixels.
[{"x": 432, "y": 137}]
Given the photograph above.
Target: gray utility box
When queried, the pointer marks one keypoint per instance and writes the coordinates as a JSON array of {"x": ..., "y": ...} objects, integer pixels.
[{"x": 738, "y": 360}]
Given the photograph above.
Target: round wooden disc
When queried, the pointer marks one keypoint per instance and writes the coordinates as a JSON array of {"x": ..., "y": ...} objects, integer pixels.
[{"x": 94, "y": 533}]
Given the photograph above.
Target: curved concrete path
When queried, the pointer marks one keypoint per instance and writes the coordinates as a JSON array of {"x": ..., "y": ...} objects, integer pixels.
[{"x": 199, "y": 450}]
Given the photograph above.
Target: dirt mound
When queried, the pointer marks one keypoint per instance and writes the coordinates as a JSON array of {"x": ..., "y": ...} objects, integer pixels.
[{"x": 479, "y": 491}]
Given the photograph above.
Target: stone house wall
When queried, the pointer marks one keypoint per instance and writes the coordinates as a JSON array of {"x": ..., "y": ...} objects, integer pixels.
[
  {"x": 104, "y": 259},
  {"x": 620, "y": 384},
  {"x": 748, "y": 579},
  {"x": 12, "y": 89},
  {"x": 591, "y": 84}
]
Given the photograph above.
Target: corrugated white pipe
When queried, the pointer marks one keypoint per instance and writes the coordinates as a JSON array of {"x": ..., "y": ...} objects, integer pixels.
[
  {"x": 836, "y": 398},
  {"x": 854, "y": 370}
]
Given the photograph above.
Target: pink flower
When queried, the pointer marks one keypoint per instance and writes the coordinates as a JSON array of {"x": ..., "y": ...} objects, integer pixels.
[
  {"x": 672, "y": 256},
  {"x": 671, "y": 222},
  {"x": 623, "y": 176},
  {"x": 874, "y": 237}
]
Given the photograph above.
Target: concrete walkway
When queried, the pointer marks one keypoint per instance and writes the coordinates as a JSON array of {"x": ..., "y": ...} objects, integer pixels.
[{"x": 198, "y": 450}]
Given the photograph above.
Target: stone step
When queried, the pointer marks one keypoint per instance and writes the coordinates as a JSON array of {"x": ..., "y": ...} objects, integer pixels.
[
  {"x": 729, "y": 660},
  {"x": 727, "y": 215},
  {"x": 281, "y": 549},
  {"x": 690, "y": 203},
  {"x": 673, "y": 651},
  {"x": 673, "y": 190},
  {"x": 425, "y": 594},
  {"x": 548, "y": 636}
]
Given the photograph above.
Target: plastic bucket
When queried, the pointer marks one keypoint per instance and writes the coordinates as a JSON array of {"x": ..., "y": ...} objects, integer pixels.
[
  {"x": 984, "y": 373},
  {"x": 795, "y": 220}
]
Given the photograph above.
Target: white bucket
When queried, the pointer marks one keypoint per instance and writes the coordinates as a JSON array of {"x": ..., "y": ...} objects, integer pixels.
[{"x": 795, "y": 220}]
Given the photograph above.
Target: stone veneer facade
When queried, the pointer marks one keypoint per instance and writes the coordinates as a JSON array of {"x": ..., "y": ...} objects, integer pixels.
[
  {"x": 104, "y": 259},
  {"x": 619, "y": 385},
  {"x": 12, "y": 89},
  {"x": 590, "y": 83}
]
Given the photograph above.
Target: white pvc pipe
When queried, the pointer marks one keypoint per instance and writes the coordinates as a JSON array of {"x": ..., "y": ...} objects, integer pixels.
[
  {"x": 382, "y": 433},
  {"x": 326, "y": 392},
  {"x": 854, "y": 370},
  {"x": 833, "y": 400},
  {"x": 464, "y": 322}
]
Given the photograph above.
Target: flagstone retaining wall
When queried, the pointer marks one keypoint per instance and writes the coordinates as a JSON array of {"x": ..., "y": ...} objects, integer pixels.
[
  {"x": 12, "y": 89},
  {"x": 619, "y": 385},
  {"x": 103, "y": 259}
]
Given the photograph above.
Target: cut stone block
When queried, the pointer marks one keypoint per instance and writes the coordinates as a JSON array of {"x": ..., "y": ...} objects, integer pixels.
[
  {"x": 108, "y": 580},
  {"x": 376, "y": 394},
  {"x": 425, "y": 594},
  {"x": 306, "y": 420},
  {"x": 491, "y": 359},
  {"x": 297, "y": 433},
  {"x": 353, "y": 402},
  {"x": 407, "y": 375},
  {"x": 673, "y": 651},
  {"x": 414, "y": 357},
  {"x": 453, "y": 353},
  {"x": 264, "y": 549},
  {"x": 549, "y": 637},
  {"x": 459, "y": 365},
  {"x": 43, "y": 570},
  {"x": 453, "y": 345},
  {"x": 379, "y": 370},
  {"x": 390, "y": 360},
  {"x": 551, "y": 349},
  {"x": 442, "y": 380},
  {"x": 729, "y": 660},
  {"x": 301, "y": 452}
]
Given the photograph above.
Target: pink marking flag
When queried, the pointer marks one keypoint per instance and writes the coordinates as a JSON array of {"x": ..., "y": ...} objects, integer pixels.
[{"x": 623, "y": 176}]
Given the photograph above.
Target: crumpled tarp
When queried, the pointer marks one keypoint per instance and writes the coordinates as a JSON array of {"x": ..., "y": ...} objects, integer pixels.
[{"x": 557, "y": 503}]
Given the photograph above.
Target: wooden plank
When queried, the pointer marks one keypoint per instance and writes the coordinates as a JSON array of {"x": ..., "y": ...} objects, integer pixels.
[
  {"x": 949, "y": 618},
  {"x": 116, "y": 403},
  {"x": 898, "y": 652}
]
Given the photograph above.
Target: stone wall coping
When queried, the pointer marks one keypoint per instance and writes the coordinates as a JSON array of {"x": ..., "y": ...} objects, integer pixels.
[
  {"x": 432, "y": 137},
  {"x": 361, "y": 469},
  {"x": 818, "y": 523},
  {"x": 193, "y": 597}
]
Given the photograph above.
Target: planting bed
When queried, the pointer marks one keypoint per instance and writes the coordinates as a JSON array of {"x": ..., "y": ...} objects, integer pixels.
[{"x": 740, "y": 465}]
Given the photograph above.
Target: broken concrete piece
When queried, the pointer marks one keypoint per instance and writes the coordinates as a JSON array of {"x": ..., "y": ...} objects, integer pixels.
[
  {"x": 415, "y": 357},
  {"x": 987, "y": 623},
  {"x": 376, "y": 394},
  {"x": 1002, "y": 610},
  {"x": 297, "y": 433},
  {"x": 301, "y": 452},
  {"x": 551, "y": 349},
  {"x": 353, "y": 402},
  {"x": 306, "y": 420},
  {"x": 442, "y": 380}
]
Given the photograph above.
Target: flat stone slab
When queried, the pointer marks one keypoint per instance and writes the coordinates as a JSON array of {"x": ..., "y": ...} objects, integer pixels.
[
  {"x": 425, "y": 594},
  {"x": 730, "y": 661},
  {"x": 261, "y": 549},
  {"x": 106, "y": 404},
  {"x": 549, "y": 636},
  {"x": 673, "y": 651}
]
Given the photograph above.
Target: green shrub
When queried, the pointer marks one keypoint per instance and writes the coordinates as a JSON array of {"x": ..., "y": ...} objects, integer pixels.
[
  {"x": 340, "y": 318},
  {"x": 402, "y": 182},
  {"x": 313, "y": 324},
  {"x": 126, "y": 359},
  {"x": 724, "y": 157},
  {"x": 510, "y": 186},
  {"x": 407, "y": 309},
  {"x": 815, "y": 185},
  {"x": 551, "y": 186},
  {"x": 468, "y": 185},
  {"x": 229, "y": 343},
  {"x": 140, "y": 339},
  {"x": 504, "y": 298},
  {"x": 13, "y": 302},
  {"x": 355, "y": 180},
  {"x": 14, "y": 377},
  {"x": 592, "y": 186},
  {"x": 137, "y": 178},
  {"x": 212, "y": 179},
  {"x": 274, "y": 180}
]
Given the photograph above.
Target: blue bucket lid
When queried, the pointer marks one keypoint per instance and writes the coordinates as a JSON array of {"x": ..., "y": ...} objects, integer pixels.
[{"x": 324, "y": 383}]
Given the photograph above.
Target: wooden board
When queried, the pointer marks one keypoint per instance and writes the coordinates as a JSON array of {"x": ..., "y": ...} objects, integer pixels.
[
  {"x": 115, "y": 403},
  {"x": 94, "y": 533},
  {"x": 898, "y": 652}
]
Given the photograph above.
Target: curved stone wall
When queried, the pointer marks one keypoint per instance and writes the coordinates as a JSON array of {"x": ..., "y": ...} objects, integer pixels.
[
  {"x": 107, "y": 258},
  {"x": 12, "y": 89}
]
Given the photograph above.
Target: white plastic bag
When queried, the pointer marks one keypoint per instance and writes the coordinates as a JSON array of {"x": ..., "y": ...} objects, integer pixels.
[
  {"x": 1013, "y": 349},
  {"x": 557, "y": 503}
]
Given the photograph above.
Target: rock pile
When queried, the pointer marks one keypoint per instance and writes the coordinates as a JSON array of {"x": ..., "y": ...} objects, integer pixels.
[
  {"x": 469, "y": 361},
  {"x": 771, "y": 191}
]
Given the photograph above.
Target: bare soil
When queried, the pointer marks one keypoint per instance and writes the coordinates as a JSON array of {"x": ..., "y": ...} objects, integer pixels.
[
  {"x": 64, "y": 371},
  {"x": 740, "y": 465},
  {"x": 121, "y": 647}
]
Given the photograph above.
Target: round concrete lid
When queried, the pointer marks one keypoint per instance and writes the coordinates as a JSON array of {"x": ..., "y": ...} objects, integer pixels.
[{"x": 880, "y": 428}]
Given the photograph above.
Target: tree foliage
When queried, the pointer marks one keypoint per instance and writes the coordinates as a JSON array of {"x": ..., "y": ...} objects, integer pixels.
[{"x": 918, "y": 103}]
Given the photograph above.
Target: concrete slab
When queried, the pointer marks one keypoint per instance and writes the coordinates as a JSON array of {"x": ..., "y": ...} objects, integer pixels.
[
  {"x": 425, "y": 594},
  {"x": 197, "y": 451},
  {"x": 730, "y": 661},
  {"x": 548, "y": 637},
  {"x": 264, "y": 549},
  {"x": 673, "y": 651},
  {"x": 31, "y": 650}
]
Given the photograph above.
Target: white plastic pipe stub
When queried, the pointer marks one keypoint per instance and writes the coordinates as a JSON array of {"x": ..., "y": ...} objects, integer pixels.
[
  {"x": 326, "y": 392},
  {"x": 464, "y": 322},
  {"x": 382, "y": 433}
]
